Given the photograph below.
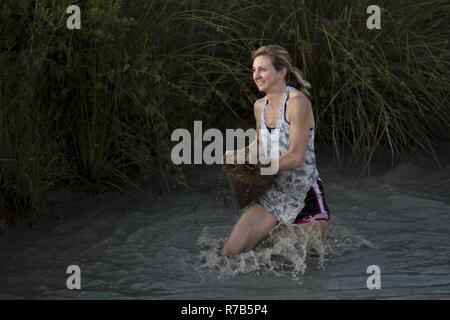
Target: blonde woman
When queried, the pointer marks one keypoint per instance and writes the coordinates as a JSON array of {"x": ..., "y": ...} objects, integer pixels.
[{"x": 297, "y": 194}]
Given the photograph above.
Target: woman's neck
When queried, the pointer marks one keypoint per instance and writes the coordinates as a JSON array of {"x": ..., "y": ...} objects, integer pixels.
[{"x": 276, "y": 93}]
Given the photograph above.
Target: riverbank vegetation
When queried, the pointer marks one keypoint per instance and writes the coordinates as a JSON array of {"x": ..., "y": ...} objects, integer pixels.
[{"x": 93, "y": 109}]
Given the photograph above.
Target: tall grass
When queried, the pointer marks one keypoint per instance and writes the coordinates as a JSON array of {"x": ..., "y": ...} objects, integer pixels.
[{"x": 93, "y": 109}]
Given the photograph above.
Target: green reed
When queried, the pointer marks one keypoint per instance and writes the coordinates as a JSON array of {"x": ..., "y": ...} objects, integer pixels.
[{"x": 93, "y": 109}]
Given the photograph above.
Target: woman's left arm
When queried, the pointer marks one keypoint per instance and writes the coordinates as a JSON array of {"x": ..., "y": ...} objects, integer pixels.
[{"x": 300, "y": 113}]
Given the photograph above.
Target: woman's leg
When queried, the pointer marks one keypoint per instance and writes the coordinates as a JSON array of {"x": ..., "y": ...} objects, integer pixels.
[{"x": 253, "y": 226}]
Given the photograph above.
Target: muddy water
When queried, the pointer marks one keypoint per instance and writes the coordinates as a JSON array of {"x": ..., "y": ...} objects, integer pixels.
[{"x": 145, "y": 247}]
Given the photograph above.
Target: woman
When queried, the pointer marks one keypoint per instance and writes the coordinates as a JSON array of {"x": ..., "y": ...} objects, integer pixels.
[{"x": 296, "y": 195}]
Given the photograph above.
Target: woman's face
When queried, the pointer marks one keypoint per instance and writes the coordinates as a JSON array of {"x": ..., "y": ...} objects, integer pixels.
[{"x": 264, "y": 73}]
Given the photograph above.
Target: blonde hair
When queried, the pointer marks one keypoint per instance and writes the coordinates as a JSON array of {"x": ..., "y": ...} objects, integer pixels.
[{"x": 281, "y": 59}]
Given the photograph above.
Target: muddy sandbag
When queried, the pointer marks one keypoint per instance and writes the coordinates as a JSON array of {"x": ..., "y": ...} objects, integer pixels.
[{"x": 246, "y": 181}]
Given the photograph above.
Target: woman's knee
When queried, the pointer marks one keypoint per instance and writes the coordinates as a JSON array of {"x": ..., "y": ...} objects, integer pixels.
[{"x": 230, "y": 250}]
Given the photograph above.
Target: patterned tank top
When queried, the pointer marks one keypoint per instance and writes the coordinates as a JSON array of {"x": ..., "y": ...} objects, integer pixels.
[{"x": 286, "y": 197}]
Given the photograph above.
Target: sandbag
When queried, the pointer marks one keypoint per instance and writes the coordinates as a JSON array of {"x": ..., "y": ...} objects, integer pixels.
[{"x": 246, "y": 181}]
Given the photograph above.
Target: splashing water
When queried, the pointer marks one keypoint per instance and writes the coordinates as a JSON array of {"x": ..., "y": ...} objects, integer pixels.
[
  {"x": 341, "y": 239},
  {"x": 285, "y": 251}
]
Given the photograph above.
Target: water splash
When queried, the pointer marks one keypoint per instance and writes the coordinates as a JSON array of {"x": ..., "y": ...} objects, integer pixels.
[
  {"x": 284, "y": 252},
  {"x": 341, "y": 239}
]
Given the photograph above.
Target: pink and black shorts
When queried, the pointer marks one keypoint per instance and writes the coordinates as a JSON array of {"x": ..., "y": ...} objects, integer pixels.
[{"x": 316, "y": 207}]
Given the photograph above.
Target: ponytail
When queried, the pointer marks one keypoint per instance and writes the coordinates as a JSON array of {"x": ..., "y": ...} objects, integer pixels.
[{"x": 295, "y": 79}]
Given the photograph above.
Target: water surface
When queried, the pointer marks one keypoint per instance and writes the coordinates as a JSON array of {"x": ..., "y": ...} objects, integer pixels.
[{"x": 146, "y": 247}]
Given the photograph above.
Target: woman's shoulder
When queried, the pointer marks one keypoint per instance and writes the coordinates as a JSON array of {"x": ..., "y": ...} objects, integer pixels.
[
  {"x": 298, "y": 96},
  {"x": 298, "y": 105}
]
